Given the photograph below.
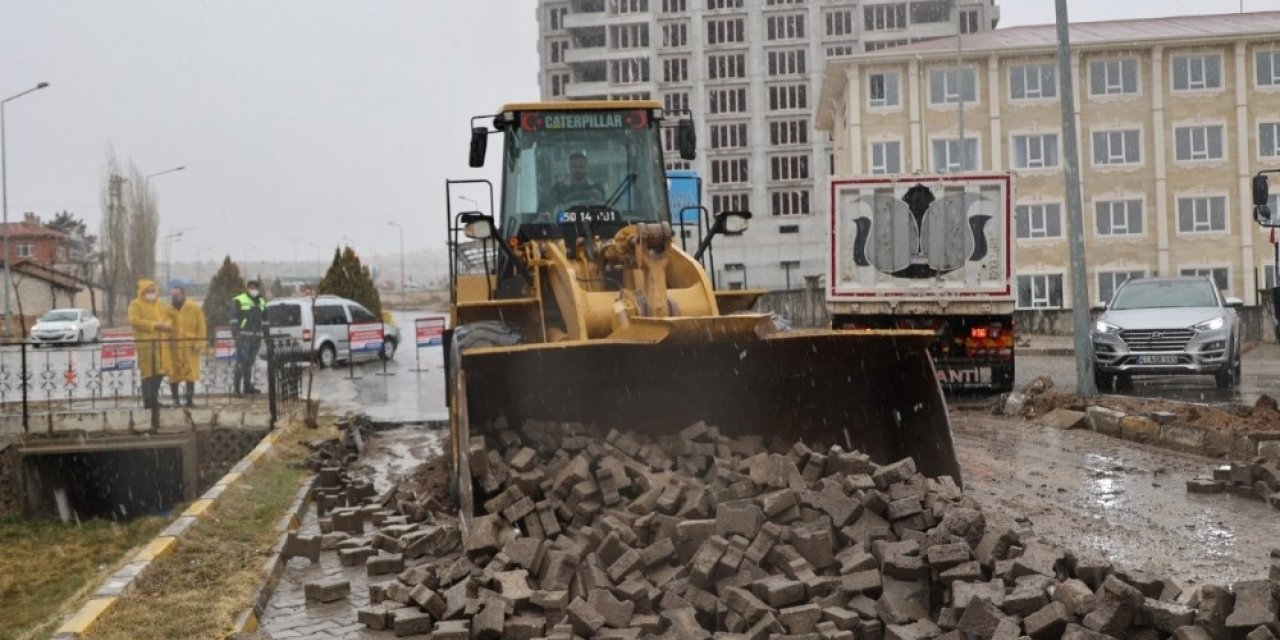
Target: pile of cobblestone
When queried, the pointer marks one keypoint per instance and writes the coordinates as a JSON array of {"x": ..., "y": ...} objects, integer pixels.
[
  {"x": 1258, "y": 479},
  {"x": 699, "y": 535}
]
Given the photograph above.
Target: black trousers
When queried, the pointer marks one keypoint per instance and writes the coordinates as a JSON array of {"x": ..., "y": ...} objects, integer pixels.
[{"x": 247, "y": 346}]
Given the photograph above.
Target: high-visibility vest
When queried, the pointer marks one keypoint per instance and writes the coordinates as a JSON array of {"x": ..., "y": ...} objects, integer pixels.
[{"x": 245, "y": 304}]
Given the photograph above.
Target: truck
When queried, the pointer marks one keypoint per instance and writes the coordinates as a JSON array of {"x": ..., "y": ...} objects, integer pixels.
[{"x": 933, "y": 253}]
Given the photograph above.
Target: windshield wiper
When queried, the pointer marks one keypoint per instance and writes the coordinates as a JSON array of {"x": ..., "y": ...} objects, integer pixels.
[{"x": 622, "y": 188}]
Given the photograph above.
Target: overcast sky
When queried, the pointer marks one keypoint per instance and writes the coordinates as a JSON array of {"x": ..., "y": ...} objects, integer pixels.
[{"x": 301, "y": 122}]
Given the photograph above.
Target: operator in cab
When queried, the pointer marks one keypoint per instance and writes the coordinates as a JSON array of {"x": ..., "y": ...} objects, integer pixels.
[{"x": 579, "y": 189}]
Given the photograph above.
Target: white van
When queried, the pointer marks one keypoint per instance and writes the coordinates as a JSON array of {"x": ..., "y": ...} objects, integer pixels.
[{"x": 296, "y": 318}]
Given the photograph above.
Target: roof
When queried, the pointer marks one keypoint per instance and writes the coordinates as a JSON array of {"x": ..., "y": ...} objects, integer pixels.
[
  {"x": 28, "y": 230},
  {"x": 1109, "y": 32},
  {"x": 582, "y": 105},
  {"x": 49, "y": 274},
  {"x": 1043, "y": 38}
]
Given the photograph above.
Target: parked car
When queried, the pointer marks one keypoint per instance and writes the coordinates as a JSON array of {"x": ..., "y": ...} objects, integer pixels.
[
  {"x": 1163, "y": 326},
  {"x": 297, "y": 318},
  {"x": 66, "y": 326}
]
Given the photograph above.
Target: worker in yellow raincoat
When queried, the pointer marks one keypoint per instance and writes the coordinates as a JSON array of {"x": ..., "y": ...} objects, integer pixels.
[
  {"x": 189, "y": 336},
  {"x": 150, "y": 324}
]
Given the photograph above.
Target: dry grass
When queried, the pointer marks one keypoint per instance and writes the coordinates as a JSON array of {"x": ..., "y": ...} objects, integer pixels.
[
  {"x": 46, "y": 566},
  {"x": 199, "y": 589}
]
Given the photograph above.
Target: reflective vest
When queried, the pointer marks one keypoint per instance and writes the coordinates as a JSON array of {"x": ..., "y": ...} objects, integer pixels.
[{"x": 244, "y": 304}]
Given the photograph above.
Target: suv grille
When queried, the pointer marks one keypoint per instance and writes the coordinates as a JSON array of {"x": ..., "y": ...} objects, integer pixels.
[{"x": 1157, "y": 339}]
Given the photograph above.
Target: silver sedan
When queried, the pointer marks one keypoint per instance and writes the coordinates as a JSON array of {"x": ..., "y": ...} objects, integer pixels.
[{"x": 1163, "y": 326}]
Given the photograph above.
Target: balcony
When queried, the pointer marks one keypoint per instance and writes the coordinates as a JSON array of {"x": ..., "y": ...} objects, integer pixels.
[{"x": 578, "y": 90}]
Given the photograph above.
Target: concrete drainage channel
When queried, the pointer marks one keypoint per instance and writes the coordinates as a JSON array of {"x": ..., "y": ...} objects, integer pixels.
[{"x": 123, "y": 580}]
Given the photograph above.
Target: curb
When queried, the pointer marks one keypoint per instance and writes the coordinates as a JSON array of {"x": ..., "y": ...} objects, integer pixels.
[
  {"x": 1043, "y": 351},
  {"x": 123, "y": 580},
  {"x": 273, "y": 568}
]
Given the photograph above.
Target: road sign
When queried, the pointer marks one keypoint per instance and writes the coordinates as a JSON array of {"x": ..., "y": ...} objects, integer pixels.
[
  {"x": 365, "y": 337},
  {"x": 430, "y": 331},
  {"x": 119, "y": 352},
  {"x": 224, "y": 346},
  {"x": 683, "y": 192}
]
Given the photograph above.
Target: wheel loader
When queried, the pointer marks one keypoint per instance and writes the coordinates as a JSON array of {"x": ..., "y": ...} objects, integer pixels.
[{"x": 584, "y": 308}]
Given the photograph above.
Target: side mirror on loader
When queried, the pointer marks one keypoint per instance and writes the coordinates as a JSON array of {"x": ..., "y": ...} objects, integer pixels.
[
  {"x": 1262, "y": 213},
  {"x": 733, "y": 223},
  {"x": 479, "y": 144},
  {"x": 687, "y": 140},
  {"x": 477, "y": 226}
]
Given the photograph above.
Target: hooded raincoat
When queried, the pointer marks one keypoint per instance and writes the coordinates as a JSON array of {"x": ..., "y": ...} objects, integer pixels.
[
  {"x": 150, "y": 324},
  {"x": 189, "y": 336}
]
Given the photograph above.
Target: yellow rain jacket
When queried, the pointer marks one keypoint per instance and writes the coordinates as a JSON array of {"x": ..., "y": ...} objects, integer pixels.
[
  {"x": 189, "y": 335},
  {"x": 150, "y": 324}
]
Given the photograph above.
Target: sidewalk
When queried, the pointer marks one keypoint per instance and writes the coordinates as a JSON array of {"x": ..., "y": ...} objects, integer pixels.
[{"x": 1040, "y": 345}]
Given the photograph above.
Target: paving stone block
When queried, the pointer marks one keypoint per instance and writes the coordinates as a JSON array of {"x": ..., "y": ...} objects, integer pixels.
[
  {"x": 326, "y": 591},
  {"x": 1255, "y": 606},
  {"x": 384, "y": 564},
  {"x": 1049, "y": 622}
]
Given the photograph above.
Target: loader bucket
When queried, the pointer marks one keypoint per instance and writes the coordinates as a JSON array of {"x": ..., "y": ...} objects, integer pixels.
[{"x": 871, "y": 391}]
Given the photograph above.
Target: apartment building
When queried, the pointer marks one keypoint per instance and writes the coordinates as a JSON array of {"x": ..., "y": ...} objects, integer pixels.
[
  {"x": 1173, "y": 117},
  {"x": 751, "y": 71}
]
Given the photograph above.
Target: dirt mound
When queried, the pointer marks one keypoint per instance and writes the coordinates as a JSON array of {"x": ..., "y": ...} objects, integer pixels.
[{"x": 1263, "y": 416}]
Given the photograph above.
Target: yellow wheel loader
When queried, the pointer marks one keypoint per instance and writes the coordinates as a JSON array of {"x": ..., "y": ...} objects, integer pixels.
[{"x": 582, "y": 307}]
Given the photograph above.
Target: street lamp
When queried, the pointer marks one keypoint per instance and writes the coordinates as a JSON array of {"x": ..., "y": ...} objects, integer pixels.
[
  {"x": 146, "y": 181},
  {"x": 174, "y": 234},
  {"x": 4, "y": 197},
  {"x": 401, "y": 228}
]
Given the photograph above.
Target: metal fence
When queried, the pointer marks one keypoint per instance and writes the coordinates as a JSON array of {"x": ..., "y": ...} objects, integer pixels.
[{"x": 37, "y": 379}]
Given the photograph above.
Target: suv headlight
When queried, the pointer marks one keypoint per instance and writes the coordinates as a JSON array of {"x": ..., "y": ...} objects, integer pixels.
[
  {"x": 1210, "y": 325},
  {"x": 1105, "y": 327}
]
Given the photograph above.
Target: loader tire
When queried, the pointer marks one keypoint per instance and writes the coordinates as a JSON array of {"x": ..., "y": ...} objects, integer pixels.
[{"x": 486, "y": 333}]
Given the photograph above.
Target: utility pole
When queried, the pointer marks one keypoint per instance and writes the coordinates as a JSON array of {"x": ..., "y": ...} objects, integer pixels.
[
  {"x": 1086, "y": 386},
  {"x": 964, "y": 151}
]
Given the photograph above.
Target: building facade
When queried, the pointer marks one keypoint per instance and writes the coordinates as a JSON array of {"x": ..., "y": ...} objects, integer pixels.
[
  {"x": 31, "y": 241},
  {"x": 750, "y": 71},
  {"x": 1173, "y": 118}
]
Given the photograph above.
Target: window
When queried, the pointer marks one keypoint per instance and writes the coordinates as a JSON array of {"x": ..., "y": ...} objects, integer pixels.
[
  {"x": 788, "y": 132},
  {"x": 559, "y": 84},
  {"x": 882, "y": 90},
  {"x": 789, "y": 168},
  {"x": 1198, "y": 143},
  {"x": 789, "y": 203},
  {"x": 1118, "y": 217},
  {"x": 361, "y": 314},
  {"x": 730, "y": 202},
  {"x": 841, "y": 50},
  {"x": 556, "y": 18},
  {"x": 1109, "y": 281},
  {"x": 732, "y": 65},
  {"x": 712, "y": 5},
  {"x": 329, "y": 315},
  {"x": 946, "y": 87},
  {"x": 1268, "y": 65},
  {"x": 629, "y": 36},
  {"x": 1197, "y": 73},
  {"x": 789, "y": 228},
  {"x": 675, "y": 6},
  {"x": 1041, "y": 291},
  {"x": 558, "y": 47},
  {"x": 633, "y": 6},
  {"x": 781, "y": 2},
  {"x": 883, "y": 17},
  {"x": 675, "y": 69},
  {"x": 26, "y": 250},
  {"x": 630, "y": 70},
  {"x": 722, "y": 31},
  {"x": 886, "y": 157},
  {"x": 785, "y": 27},
  {"x": 1269, "y": 276},
  {"x": 678, "y": 165},
  {"x": 1035, "y": 151},
  {"x": 949, "y": 156},
  {"x": 1116, "y": 147},
  {"x": 728, "y": 101},
  {"x": 1269, "y": 139},
  {"x": 1202, "y": 214},
  {"x": 675, "y": 34},
  {"x": 728, "y": 136},
  {"x": 676, "y": 101},
  {"x": 1113, "y": 77},
  {"x": 788, "y": 96},
  {"x": 884, "y": 44},
  {"x": 1033, "y": 81},
  {"x": 729, "y": 170},
  {"x": 1221, "y": 276},
  {"x": 839, "y": 23},
  {"x": 1034, "y": 221},
  {"x": 786, "y": 62},
  {"x": 969, "y": 21}
]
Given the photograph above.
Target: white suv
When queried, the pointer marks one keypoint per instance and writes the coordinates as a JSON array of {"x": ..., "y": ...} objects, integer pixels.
[{"x": 298, "y": 319}]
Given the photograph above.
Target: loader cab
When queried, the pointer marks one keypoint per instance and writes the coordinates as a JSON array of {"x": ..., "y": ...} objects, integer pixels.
[{"x": 599, "y": 163}]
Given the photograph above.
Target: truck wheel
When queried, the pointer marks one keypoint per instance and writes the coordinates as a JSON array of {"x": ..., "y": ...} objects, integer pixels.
[{"x": 486, "y": 333}]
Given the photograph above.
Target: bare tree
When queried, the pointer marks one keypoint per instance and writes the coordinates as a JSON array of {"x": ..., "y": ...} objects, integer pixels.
[
  {"x": 115, "y": 236},
  {"x": 144, "y": 225}
]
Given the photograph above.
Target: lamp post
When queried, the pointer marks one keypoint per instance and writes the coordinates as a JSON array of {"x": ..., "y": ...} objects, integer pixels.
[
  {"x": 401, "y": 228},
  {"x": 4, "y": 198},
  {"x": 199, "y": 251},
  {"x": 146, "y": 181},
  {"x": 174, "y": 234}
]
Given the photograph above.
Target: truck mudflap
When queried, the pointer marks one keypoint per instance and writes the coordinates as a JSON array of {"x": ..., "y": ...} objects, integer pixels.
[
  {"x": 975, "y": 374},
  {"x": 875, "y": 392}
]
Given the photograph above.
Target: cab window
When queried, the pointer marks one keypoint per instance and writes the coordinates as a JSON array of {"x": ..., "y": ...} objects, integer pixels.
[{"x": 329, "y": 315}]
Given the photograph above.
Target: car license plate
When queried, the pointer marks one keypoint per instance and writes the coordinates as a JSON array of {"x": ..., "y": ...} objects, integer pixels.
[{"x": 1158, "y": 360}]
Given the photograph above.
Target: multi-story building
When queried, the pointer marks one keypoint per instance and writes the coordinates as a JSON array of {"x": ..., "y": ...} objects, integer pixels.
[
  {"x": 31, "y": 241},
  {"x": 1173, "y": 117},
  {"x": 750, "y": 70}
]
